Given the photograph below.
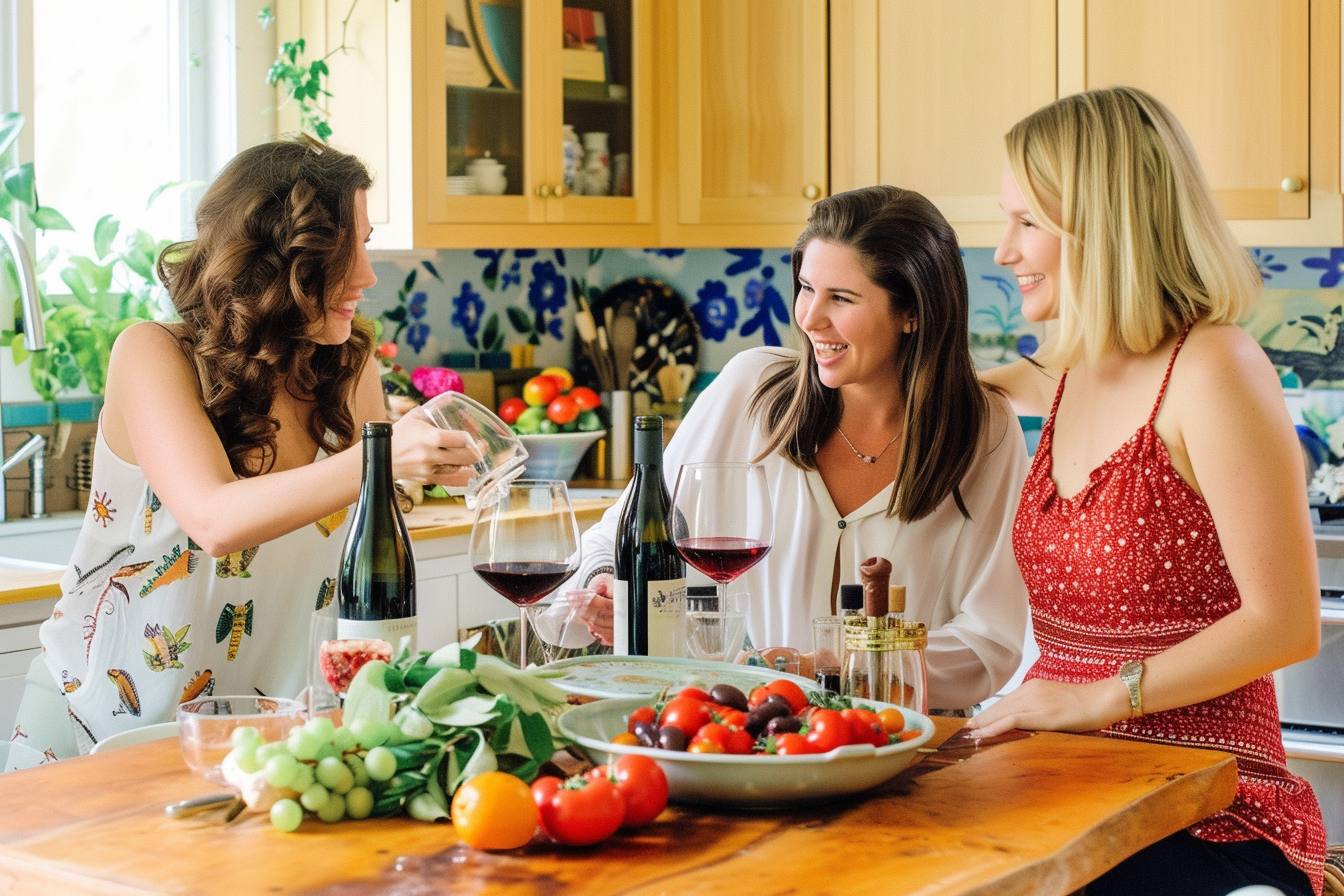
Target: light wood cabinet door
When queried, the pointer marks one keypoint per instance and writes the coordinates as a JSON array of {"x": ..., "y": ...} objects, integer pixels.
[
  {"x": 750, "y": 105},
  {"x": 951, "y": 79}
]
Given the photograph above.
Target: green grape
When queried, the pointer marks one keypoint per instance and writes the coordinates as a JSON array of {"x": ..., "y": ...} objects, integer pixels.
[
  {"x": 335, "y": 775},
  {"x": 328, "y": 751},
  {"x": 333, "y": 810},
  {"x": 246, "y": 757},
  {"x": 244, "y": 734},
  {"x": 356, "y": 764},
  {"x": 315, "y": 797},
  {"x": 322, "y": 727},
  {"x": 344, "y": 739},
  {"x": 303, "y": 778},
  {"x": 281, "y": 770},
  {"x": 359, "y": 803},
  {"x": 380, "y": 764},
  {"x": 370, "y": 733},
  {"x": 286, "y": 815},
  {"x": 303, "y": 744},
  {"x": 265, "y": 752}
]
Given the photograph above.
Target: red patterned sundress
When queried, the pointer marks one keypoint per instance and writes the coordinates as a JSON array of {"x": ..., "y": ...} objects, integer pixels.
[{"x": 1129, "y": 567}]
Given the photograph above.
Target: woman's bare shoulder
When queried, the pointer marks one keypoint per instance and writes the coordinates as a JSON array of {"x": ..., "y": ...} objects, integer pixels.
[
  {"x": 1029, "y": 388},
  {"x": 149, "y": 351}
]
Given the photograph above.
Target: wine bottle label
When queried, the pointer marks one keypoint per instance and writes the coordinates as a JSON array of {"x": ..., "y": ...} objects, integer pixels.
[
  {"x": 389, "y": 630},
  {"x": 666, "y": 601},
  {"x": 620, "y": 606}
]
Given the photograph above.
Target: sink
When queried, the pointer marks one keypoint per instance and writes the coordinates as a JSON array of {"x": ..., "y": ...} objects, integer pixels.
[{"x": 49, "y": 540}]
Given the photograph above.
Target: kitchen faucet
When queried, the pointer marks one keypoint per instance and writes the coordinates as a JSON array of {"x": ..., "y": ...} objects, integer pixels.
[{"x": 34, "y": 339}]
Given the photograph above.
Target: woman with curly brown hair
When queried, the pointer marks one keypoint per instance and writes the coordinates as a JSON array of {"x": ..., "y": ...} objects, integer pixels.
[{"x": 227, "y": 453}]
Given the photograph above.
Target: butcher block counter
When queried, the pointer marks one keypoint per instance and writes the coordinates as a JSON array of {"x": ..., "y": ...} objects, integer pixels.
[{"x": 1038, "y": 814}]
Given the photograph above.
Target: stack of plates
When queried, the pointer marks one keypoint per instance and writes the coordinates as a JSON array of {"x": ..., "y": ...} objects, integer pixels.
[{"x": 462, "y": 185}]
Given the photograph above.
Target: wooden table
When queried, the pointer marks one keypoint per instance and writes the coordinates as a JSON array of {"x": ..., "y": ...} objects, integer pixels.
[{"x": 1042, "y": 814}]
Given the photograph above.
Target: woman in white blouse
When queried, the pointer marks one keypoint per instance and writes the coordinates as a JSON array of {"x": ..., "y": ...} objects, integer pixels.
[{"x": 878, "y": 441}]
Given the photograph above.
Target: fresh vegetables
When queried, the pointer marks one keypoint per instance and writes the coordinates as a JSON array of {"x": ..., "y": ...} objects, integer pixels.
[
  {"x": 585, "y": 809},
  {"x": 494, "y": 810},
  {"x": 780, "y": 718},
  {"x": 551, "y": 403}
]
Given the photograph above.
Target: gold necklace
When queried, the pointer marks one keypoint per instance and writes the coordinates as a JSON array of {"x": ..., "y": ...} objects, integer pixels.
[{"x": 866, "y": 458}]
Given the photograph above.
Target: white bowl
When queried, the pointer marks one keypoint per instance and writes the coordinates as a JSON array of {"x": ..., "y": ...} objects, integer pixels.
[
  {"x": 557, "y": 456},
  {"x": 755, "y": 780}
]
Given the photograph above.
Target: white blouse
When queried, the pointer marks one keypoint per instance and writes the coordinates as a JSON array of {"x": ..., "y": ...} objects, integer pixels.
[{"x": 960, "y": 575}]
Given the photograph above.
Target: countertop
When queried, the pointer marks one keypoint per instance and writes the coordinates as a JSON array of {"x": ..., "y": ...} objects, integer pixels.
[
  {"x": 1039, "y": 814},
  {"x": 433, "y": 519}
]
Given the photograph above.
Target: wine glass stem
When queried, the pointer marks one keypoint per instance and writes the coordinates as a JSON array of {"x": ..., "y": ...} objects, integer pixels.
[
  {"x": 524, "y": 631},
  {"x": 729, "y": 655}
]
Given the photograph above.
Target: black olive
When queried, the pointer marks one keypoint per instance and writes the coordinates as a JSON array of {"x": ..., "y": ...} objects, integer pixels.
[
  {"x": 727, "y": 695},
  {"x": 778, "y": 701},
  {"x": 759, "y": 717},
  {"x": 783, "y": 725},
  {"x": 670, "y": 738},
  {"x": 646, "y": 733}
]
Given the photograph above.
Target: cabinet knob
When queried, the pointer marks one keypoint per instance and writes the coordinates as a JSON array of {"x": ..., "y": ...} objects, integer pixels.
[
  {"x": 1291, "y": 185},
  {"x": 543, "y": 191},
  {"x": 560, "y": 191},
  {"x": 811, "y": 191}
]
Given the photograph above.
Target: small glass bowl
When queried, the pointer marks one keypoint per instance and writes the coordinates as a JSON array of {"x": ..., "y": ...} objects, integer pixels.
[{"x": 205, "y": 727}]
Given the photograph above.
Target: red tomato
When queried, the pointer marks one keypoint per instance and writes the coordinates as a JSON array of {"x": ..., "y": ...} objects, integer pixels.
[
  {"x": 790, "y": 692},
  {"x": 704, "y": 746},
  {"x": 643, "y": 714},
  {"x": 511, "y": 409},
  {"x": 685, "y": 713},
  {"x": 695, "y": 694},
  {"x": 544, "y": 788},
  {"x": 562, "y": 410},
  {"x": 712, "y": 733},
  {"x": 739, "y": 742},
  {"x": 540, "y": 391},
  {"x": 792, "y": 745},
  {"x": 827, "y": 730},
  {"x": 757, "y": 696},
  {"x": 731, "y": 718},
  {"x": 865, "y": 727},
  {"x": 581, "y": 810},
  {"x": 587, "y": 398},
  {"x": 643, "y": 784}
]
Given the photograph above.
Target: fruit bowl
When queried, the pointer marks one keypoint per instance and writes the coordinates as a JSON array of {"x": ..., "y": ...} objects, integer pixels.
[
  {"x": 557, "y": 456},
  {"x": 719, "y": 779}
]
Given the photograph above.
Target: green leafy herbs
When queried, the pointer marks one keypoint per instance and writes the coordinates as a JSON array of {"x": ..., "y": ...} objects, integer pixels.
[{"x": 457, "y": 714}]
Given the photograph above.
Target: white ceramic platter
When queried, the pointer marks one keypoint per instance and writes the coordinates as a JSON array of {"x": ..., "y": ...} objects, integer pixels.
[
  {"x": 749, "y": 781},
  {"x": 639, "y": 676}
]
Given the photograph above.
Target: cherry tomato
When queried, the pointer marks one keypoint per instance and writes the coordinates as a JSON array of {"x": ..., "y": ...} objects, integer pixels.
[
  {"x": 827, "y": 730},
  {"x": 562, "y": 410},
  {"x": 643, "y": 714},
  {"x": 911, "y": 734},
  {"x": 758, "y": 695},
  {"x": 581, "y": 810},
  {"x": 739, "y": 742},
  {"x": 711, "y": 733},
  {"x": 511, "y": 409},
  {"x": 586, "y": 398},
  {"x": 865, "y": 727},
  {"x": 544, "y": 786},
  {"x": 565, "y": 379},
  {"x": 695, "y": 694},
  {"x": 628, "y": 739},
  {"x": 893, "y": 722},
  {"x": 642, "y": 782},
  {"x": 685, "y": 714},
  {"x": 790, "y": 692},
  {"x": 792, "y": 745},
  {"x": 540, "y": 391},
  {"x": 494, "y": 810},
  {"x": 704, "y": 746},
  {"x": 731, "y": 718}
]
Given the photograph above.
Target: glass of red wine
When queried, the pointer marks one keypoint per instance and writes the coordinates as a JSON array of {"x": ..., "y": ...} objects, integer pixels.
[
  {"x": 722, "y": 524},
  {"x": 525, "y": 544}
]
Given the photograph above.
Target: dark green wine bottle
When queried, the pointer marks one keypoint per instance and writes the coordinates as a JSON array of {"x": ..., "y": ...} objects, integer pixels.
[
  {"x": 650, "y": 575},
  {"x": 377, "y": 597}
]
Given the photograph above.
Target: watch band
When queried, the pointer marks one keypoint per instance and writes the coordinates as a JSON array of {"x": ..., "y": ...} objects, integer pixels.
[{"x": 1131, "y": 673}]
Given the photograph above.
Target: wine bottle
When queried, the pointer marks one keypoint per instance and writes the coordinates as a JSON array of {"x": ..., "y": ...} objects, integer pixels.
[
  {"x": 377, "y": 596},
  {"x": 650, "y": 597}
]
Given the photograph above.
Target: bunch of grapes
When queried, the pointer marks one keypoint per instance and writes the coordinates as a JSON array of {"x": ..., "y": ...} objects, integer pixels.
[{"x": 335, "y": 773}]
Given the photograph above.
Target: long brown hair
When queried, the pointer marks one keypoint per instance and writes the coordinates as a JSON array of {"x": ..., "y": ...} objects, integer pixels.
[
  {"x": 908, "y": 249},
  {"x": 275, "y": 238}
]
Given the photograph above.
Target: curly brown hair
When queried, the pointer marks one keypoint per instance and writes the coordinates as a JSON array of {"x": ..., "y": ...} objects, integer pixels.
[{"x": 275, "y": 237}]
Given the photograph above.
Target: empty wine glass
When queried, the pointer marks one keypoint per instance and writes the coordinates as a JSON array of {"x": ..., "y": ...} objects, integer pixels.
[
  {"x": 722, "y": 522},
  {"x": 502, "y": 453},
  {"x": 524, "y": 543}
]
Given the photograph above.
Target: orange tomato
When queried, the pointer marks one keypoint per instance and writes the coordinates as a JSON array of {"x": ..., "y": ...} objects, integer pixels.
[
  {"x": 586, "y": 398},
  {"x": 626, "y": 738},
  {"x": 892, "y": 721},
  {"x": 540, "y": 390},
  {"x": 564, "y": 376},
  {"x": 511, "y": 409},
  {"x": 494, "y": 810}
]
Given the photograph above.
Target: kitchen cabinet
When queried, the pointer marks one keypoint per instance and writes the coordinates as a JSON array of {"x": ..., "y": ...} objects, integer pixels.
[
  {"x": 19, "y": 646},
  {"x": 1255, "y": 82}
]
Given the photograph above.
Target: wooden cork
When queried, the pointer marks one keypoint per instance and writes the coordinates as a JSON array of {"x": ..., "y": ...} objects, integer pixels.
[
  {"x": 876, "y": 576},
  {"x": 896, "y": 599}
]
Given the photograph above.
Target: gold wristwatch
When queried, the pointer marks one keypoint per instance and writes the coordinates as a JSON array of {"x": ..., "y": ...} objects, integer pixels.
[{"x": 1131, "y": 673}]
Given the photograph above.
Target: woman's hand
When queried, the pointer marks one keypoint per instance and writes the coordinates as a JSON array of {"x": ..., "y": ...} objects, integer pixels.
[
  {"x": 599, "y": 615},
  {"x": 1055, "y": 706},
  {"x": 423, "y": 452}
]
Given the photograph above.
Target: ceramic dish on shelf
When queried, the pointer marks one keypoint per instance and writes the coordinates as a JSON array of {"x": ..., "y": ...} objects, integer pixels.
[
  {"x": 647, "y": 676},
  {"x": 750, "y": 781},
  {"x": 665, "y": 328}
]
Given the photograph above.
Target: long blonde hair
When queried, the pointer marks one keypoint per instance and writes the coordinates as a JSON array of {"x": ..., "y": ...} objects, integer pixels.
[{"x": 1145, "y": 249}]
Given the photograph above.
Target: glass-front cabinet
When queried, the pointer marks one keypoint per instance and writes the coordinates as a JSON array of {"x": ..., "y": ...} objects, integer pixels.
[{"x": 535, "y": 112}]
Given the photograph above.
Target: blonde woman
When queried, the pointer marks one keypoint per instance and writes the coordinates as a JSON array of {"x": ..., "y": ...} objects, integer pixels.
[{"x": 1163, "y": 530}]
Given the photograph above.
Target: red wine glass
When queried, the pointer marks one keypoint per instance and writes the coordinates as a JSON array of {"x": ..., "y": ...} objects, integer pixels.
[
  {"x": 525, "y": 544},
  {"x": 722, "y": 523}
]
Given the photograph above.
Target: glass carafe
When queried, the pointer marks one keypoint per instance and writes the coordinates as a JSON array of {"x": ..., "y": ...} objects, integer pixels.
[{"x": 885, "y": 662}]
